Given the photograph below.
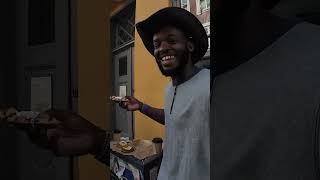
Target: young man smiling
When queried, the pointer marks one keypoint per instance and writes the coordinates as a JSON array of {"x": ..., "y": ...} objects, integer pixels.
[{"x": 177, "y": 40}]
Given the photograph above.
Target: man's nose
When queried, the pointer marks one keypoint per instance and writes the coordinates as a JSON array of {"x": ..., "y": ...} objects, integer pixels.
[{"x": 164, "y": 46}]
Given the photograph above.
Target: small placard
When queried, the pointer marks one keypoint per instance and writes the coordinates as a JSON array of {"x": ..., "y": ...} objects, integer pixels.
[
  {"x": 122, "y": 91},
  {"x": 41, "y": 94}
]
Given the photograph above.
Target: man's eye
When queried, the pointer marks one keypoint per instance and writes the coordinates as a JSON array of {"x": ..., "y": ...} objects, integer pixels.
[
  {"x": 155, "y": 45},
  {"x": 171, "y": 41}
]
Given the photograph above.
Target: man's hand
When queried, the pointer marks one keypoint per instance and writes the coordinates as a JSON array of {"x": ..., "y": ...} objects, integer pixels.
[
  {"x": 65, "y": 133},
  {"x": 132, "y": 104},
  {"x": 73, "y": 136}
]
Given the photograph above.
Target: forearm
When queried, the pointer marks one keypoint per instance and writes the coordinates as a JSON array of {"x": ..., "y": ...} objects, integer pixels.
[{"x": 153, "y": 113}]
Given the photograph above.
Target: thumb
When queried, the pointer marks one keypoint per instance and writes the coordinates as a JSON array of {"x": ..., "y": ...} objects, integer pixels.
[
  {"x": 53, "y": 136},
  {"x": 58, "y": 132},
  {"x": 60, "y": 115},
  {"x": 53, "y": 133},
  {"x": 67, "y": 146},
  {"x": 130, "y": 98}
]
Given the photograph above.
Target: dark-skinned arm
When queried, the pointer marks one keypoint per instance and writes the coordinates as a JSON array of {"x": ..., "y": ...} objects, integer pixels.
[
  {"x": 133, "y": 105},
  {"x": 153, "y": 113}
]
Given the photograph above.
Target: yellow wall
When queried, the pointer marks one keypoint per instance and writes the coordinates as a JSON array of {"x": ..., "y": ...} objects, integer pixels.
[
  {"x": 149, "y": 84},
  {"x": 94, "y": 80}
]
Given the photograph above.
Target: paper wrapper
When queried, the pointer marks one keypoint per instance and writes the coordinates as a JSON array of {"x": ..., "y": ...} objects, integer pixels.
[{"x": 143, "y": 148}]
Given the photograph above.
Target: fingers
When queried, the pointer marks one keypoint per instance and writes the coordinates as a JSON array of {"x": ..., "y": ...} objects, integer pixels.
[
  {"x": 131, "y": 105},
  {"x": 67, "y": 146},
  {"x": 54, "y": 139},
  {"x": 124, "y": 104},
  {"x": 65, "y": 143},
  {"x": 54, "y": 133},
  {"x": 130, "y": 98},
  {"x": 127, "y": 106},
  {"x": 60, "y": 115},
  {"x": 46, "y": 119},
  {"x": 38, "y": 137},
  {"x": 131, "y": 101}
]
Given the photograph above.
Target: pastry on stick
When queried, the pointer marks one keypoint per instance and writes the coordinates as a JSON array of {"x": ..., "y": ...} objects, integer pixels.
[{"x": 118, "y": 99}]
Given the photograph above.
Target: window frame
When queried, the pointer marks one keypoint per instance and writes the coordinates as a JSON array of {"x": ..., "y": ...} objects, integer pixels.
[
  {"x": 198, "y": 7},
  {"x": 188, "y": 5}
]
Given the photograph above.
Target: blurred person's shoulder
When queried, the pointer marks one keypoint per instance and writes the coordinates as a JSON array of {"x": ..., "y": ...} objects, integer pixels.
[
  {"x": 304, "y": 39},
  {"x": 305, "y": 26},
  {"x": 305, "y": 31}
]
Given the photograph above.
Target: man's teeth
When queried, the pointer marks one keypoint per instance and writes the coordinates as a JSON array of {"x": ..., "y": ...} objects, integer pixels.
[{"x": 167, "y": 57}]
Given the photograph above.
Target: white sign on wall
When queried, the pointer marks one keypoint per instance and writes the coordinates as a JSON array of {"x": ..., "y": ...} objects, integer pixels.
[
  {"x": 41, "y": 94},
  {"x": 122, "y": 91}
]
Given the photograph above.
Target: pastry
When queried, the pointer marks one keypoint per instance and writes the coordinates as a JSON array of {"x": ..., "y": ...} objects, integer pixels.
[
  {"x": 127, "y": 149},
  {"x": 123, "y": 144},
  {"x": 118, "y": 99}
]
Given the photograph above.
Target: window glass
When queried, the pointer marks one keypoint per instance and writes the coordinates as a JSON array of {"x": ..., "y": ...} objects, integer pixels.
[
  {"x": 184, "y": 4},
  {"x": 204, "y": 5},
  {"x": 123, "y": 66}
]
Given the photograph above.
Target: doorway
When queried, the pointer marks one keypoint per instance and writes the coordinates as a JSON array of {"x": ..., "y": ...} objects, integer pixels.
[{"x": 122, "y": 37}]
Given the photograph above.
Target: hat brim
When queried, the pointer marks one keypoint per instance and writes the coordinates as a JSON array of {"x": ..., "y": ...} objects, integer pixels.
[{"x": 179, "y": 18}]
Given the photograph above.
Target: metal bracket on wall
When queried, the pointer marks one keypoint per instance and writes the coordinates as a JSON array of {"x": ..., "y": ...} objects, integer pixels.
[
  {"x": 75, "y": 93},
  {"x": 175, "y": 3}
]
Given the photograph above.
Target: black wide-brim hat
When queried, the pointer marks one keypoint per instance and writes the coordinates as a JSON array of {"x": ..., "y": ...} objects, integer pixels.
[{"x": 179, "y": 18}]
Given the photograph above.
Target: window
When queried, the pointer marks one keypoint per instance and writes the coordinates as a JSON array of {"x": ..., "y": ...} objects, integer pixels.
[
  {"x": 185, "y": 4},
  {"x": 202, "y": 6},
  {"x": 123, "y": 66},
  {"x": 41, "y": 22},
  {"x": 207, "y": 28},
  {"x": 122, "y": 27}
]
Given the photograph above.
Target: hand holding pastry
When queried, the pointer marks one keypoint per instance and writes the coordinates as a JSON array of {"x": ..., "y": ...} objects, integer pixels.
[
  {"x": 132, "y": 104},
  {"x": 118, "y": 99}
]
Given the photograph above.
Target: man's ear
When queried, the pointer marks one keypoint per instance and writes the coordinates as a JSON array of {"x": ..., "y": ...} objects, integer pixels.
[{"x": 190, "y": 46}]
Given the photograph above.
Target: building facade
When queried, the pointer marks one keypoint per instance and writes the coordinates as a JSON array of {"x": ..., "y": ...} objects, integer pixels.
[{"x": 201, "y": 9}]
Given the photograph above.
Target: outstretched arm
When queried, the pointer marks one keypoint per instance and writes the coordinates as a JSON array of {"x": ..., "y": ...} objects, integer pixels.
[{"x": 154, "y": 113}]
